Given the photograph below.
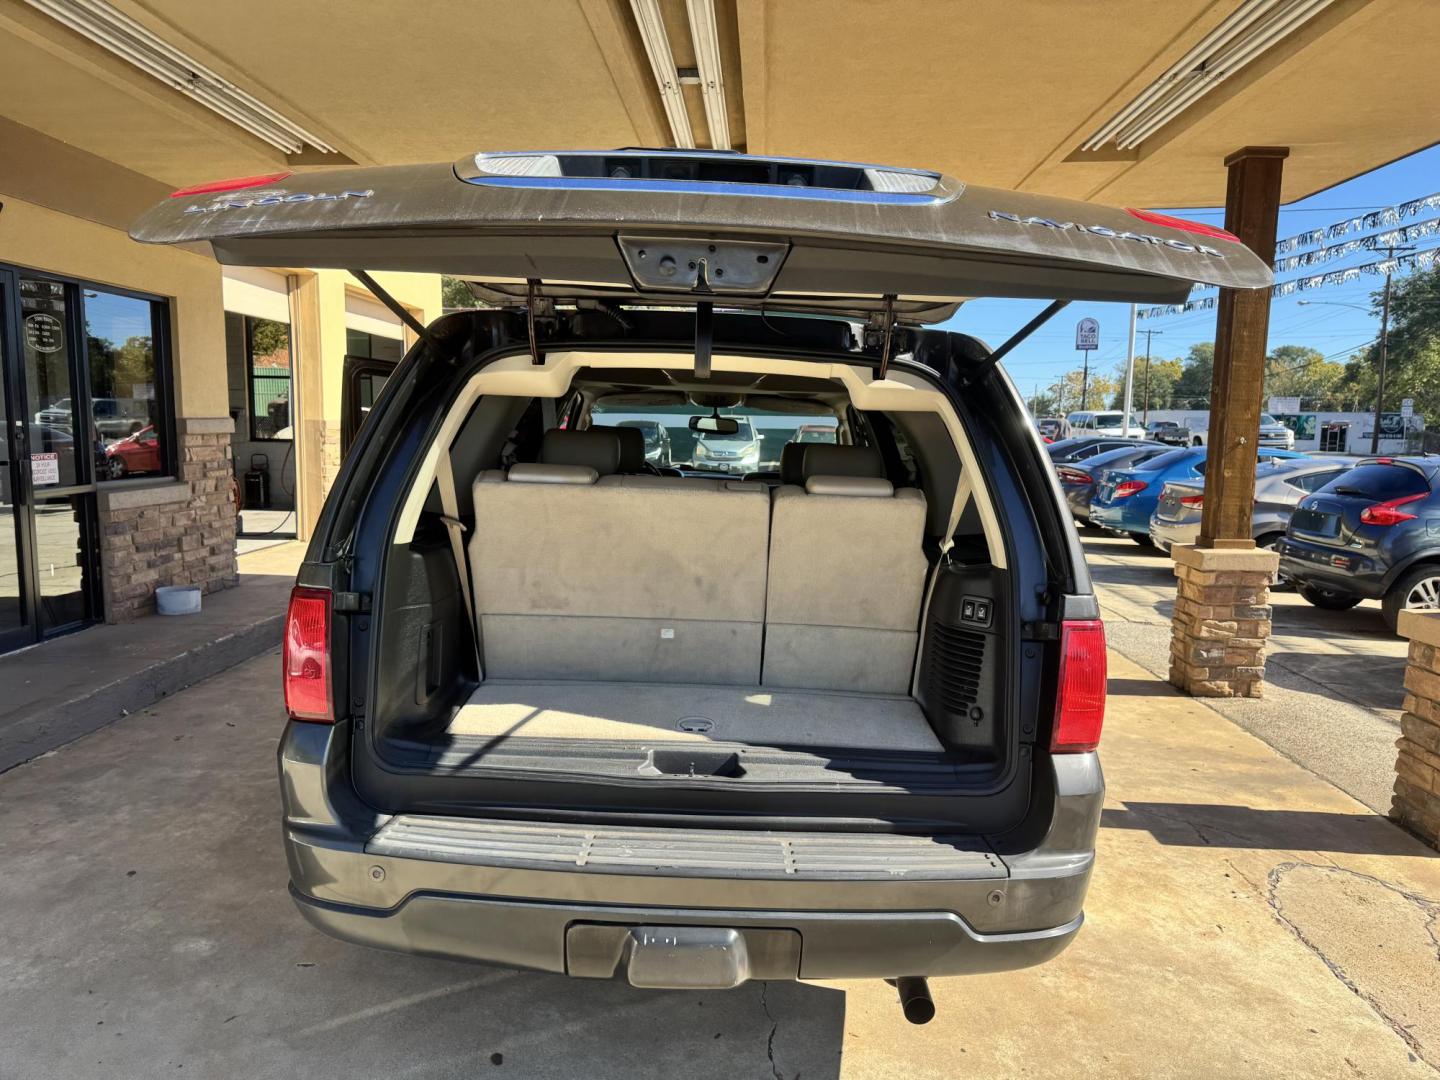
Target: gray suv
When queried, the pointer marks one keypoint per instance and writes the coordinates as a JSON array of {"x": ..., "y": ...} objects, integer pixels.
[
  {"x": 547, "y": 709},
  {"x": 1372, "y": 533}
]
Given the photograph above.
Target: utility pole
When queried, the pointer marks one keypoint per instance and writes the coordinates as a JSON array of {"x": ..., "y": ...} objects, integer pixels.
[
  {"x": 1129, "y": 400},
  {"x": 1384, "y": 350},
  {"x": 1148, "y": 335}
]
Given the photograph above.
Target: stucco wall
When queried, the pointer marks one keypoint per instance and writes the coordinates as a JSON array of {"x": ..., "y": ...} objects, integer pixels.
[{"x": 42, "y": 239}]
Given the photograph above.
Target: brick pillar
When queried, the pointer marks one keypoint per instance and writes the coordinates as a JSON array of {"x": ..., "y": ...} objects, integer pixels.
[
  {"x": 1416, "y": 802},
  {"x": 171, "y": 532},
  {"x": 1221, "y": 621}
]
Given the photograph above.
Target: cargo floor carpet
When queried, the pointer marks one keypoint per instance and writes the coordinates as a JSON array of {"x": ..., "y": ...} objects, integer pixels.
[{"x": 655, "y": 712}]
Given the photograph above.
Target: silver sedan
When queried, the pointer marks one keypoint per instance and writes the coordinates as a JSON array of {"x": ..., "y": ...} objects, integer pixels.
[{"x": 1279, "y": 487}]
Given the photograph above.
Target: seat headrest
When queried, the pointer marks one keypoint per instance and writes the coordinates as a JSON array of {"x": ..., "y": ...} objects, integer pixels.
[
  {"x": 598, "y": 449},
  {"x": 523, "y": 473},
  {"x": 792, "y": 459},
  {"x": 822, "y": 459},
  {"x": 632, "y": 447},
  {"x": 861, "y": 486}
]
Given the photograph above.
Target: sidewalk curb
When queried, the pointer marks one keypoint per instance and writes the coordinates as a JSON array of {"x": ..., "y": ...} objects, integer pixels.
[{"x": 27, "y": 737}]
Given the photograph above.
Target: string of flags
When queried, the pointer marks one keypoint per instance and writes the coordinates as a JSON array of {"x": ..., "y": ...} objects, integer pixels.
[
  {"x": 1419, "y": 260},
  {"x": 1392, "y": 238},
  {"x": 1375, "y": 219}
]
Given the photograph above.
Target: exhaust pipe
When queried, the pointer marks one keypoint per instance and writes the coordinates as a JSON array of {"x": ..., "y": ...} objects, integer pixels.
[{"x": 915, "y": 1000}]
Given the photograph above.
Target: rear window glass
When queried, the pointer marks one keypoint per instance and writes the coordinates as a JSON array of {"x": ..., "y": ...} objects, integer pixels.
[
  {"x": 755, "y": 447},
  {"x": 1167, "y": 459},
  {"x": 1378, "y": 481}
]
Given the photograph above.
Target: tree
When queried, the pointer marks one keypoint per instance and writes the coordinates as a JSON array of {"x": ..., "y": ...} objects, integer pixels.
[
  {"x": 1192, "y": 388},
  {"x": 455, "y": 293},
  {"x": 1044, "y": 404},
  {"x": 1302, "y": 372},
  {"x": 1067, "y": 391},
  {"x": 1412, "y": 367}
]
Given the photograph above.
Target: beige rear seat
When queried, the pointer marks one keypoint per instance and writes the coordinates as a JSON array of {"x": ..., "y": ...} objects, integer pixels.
[
  {"x": 846, "y": 576},
  {"x": 583, "y": 574}
]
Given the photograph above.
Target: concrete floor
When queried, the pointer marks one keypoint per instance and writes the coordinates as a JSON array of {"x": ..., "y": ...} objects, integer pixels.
[
  {"x": 1333, "y": 690},
  {"x": 1246, "y": 919}
]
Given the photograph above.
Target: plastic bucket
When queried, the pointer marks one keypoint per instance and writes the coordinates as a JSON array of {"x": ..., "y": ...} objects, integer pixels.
[{"x": 177, "y": 599}]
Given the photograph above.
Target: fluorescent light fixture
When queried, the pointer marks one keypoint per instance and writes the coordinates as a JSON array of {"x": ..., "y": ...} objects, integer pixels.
[
  {"x": 112, "y": 29},
  {"x": 662, "y": 63},
  {"x": 712, "y": 78},
  {"x": 1250, "y": 30}
]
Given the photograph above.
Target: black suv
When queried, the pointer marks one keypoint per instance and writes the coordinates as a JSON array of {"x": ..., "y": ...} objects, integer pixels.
[
  {"x": 1373, "y": 533},
  {"x": 549, "y": 709}
]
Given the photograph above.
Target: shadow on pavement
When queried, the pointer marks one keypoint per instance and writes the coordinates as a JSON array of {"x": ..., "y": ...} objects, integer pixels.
[
  {"x": 1222, "y": 825},
  {"x": 439, "y": 1019}
]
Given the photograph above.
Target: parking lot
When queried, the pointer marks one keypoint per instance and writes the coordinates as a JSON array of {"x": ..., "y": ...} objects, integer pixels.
[{"x": 1333, "y": 688}]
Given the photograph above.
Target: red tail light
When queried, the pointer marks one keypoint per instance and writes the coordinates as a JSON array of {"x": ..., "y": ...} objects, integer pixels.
[
  {"x": 307, "y": 656},
  {"x": 1192, "y": 500},
  {"x": 1126, "y": 488},
  {"x": 1196, "y": 227},
  {"x": 1386, "y": 513},
  {"x": 1080, "y": 705},
  {"x": 237, "y": 183},
  {"x": 1072, "y": 476}
]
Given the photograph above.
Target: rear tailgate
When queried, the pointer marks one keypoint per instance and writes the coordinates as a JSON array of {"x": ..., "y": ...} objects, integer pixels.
[{"x": 928, "y": 240}]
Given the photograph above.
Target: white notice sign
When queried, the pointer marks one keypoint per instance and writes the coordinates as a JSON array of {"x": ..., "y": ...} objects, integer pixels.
[{"x": 45, "y": 469}]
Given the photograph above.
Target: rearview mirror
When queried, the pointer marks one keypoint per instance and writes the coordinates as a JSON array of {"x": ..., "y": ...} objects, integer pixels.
[{"x": 715, "y": 425}]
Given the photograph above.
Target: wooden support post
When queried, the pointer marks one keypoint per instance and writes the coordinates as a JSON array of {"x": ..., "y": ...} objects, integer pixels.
[
  {"x": 1222, "y": 606},
  {"x": 1252, "y": 208}
]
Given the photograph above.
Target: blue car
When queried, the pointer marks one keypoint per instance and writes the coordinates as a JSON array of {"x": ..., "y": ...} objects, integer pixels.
[{"x": 1126, "y": 498}]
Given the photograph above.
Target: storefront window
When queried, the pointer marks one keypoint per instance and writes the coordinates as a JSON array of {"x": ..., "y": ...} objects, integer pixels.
[
  {"x": 127, "y": 429},
  {"x": 373, "y": 346},
  {"x": 267, "y": 349},
  {"x": 45, "y": 314}
]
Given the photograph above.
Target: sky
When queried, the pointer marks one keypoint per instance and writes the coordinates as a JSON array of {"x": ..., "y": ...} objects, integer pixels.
[{"x": 1336, "y": 331}]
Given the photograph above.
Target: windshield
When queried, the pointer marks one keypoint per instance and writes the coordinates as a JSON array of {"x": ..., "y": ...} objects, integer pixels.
[
  {"x": 755, "y": 447},
  {"x": 653, "y": 432},
  {"x": 743, "y": 433}
]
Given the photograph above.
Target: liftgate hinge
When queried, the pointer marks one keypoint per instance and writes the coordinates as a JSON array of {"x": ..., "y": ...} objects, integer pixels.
[
  {"x": 536, "y": 307},
  {"x": 880, "y": 331},
  {"x": 351, "y": 601}
]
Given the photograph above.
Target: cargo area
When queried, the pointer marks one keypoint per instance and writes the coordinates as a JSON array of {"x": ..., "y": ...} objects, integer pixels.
[
  {"x": 501, "y": 711},
  {"x": 606, "y": 605}
]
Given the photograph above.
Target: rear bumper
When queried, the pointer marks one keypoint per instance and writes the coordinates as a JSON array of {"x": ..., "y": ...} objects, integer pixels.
[
  {"x": 811, "y": 945},
  {"x": 1167, "y": 534},
  {"x": 1312, "y": 564},
  {"x": 975, "y": 911},
  {"x": 1121, "y": 517}
]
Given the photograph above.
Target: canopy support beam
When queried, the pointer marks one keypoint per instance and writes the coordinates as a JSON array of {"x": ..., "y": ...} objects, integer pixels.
[{"x": 1252, "y": 210}]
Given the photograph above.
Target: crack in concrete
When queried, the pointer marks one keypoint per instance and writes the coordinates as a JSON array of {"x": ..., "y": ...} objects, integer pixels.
[
  {"x": 1425, "y": 904},
  {"x": 774, "y": 1028}
]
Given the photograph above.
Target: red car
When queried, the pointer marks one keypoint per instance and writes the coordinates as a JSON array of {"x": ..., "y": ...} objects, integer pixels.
[{"x": 138, "y": 453}]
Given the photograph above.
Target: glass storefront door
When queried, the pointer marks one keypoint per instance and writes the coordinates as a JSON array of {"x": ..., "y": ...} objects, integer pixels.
[
  {"x": 47, "y": 481},
  {"x": 16, "y": 592}
]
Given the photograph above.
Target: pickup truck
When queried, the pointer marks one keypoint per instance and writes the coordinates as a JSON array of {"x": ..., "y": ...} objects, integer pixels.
[{"x": 1272, "y": 433}]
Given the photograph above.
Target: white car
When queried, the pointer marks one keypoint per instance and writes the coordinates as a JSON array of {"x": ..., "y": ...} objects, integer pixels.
[
  {"x": 1105, "y": 423},
  {"x": 726, "y": 452}
]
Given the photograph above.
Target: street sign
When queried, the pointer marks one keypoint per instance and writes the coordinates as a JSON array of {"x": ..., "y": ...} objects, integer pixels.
[
  {"x": 1087, "y": 335},
  {"x": 1283, "y": 405},
  {"x": 1407, "y": 408}
]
